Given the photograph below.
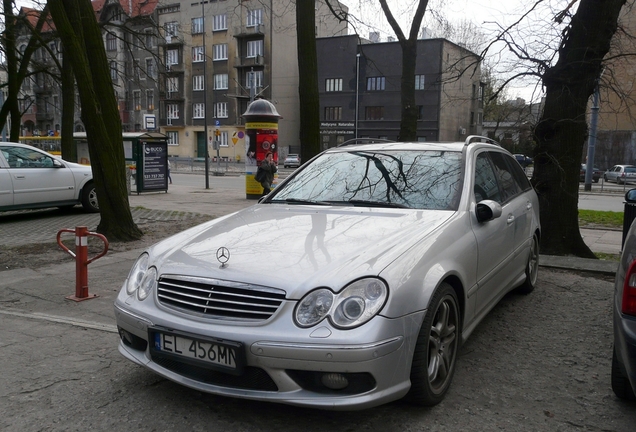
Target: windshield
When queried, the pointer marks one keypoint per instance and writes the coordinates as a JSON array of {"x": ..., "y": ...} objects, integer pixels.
[{"x": 414, "y": 179}]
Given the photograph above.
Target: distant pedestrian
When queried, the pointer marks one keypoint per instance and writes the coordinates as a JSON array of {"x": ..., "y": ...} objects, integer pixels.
[
  {"x": 169, "y": 178},
  {"x": 269, "y": 169}
]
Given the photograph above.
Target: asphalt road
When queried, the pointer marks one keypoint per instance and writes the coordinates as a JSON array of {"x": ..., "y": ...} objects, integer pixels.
[{"x": 537, "y": 363}]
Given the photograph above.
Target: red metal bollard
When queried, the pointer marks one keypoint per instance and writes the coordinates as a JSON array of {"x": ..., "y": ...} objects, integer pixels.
[{"x": 81, "y": 260}]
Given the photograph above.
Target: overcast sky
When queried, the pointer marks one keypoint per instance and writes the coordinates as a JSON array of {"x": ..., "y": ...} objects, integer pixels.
[{"x": 486, "y": 14}]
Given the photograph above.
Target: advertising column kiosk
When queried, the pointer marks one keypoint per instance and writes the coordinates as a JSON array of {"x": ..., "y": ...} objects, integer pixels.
[{"x": 261, "y": 137}]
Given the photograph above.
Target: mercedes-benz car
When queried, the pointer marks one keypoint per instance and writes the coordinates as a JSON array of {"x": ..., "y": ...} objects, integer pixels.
[
  {"x": 351, "y": 284},
  {"x": 31, "y": 178},
  {"x": 624, "y": 353}
]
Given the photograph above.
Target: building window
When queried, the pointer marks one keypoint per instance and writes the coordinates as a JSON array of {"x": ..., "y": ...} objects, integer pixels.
[
  {"x": 220, "y": 22},
  {"x": 254, "y": 17},
  {"x": 137, "y": 69},
  {"x": 220, "y": 110},
  {"x": 197, "y": 25},
  {"x": 149, "y": 38},
  {"x": 333, "y": 113},
  {"x": 111, "y": 42},
  {"x": 374, "y": 113},
  {"x": 173, "y": 137},
  {"x": 375, "y": 83},
  {"x": 113, "y": 71},
  {"x": 255, "y": 78},
  {"x": 197, "y": 83},
  {"x": 171, "y": 29},
  {"x": 198, "y": 110},
  {"x": 223, "y": 142},
  {"x": 220, "y": 52},
  {"x": 419, "y": 82},
  {"x": 172, "y": 111},
  {"x": 150, "y": 100},
  {"x": 197, "y": 54},
  {"x": 150, "y": 68},
  {"x": 254, "y": 48},
  {"x": 172, "y": 85},
  {"x": 137, "y": 100},
  {"x": 333, "y": 84},
  {"x": 220, "y": 82},
  {"x": 172, "y": 57}
]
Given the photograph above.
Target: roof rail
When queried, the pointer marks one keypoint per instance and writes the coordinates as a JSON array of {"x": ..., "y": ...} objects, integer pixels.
[
  {"x": 479, "y": 138},
  {"x": 354, "y": 141}
]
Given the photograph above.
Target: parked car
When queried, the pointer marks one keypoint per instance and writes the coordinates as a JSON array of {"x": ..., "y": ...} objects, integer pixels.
[
  {"x": 367, "y": 259},
  {"x": 621, "y": 174},
  {"x": 523, "y": 160},
  {"x": 597, "y": 173},
  {"x": 624, "y": 352},
  {"x": 292, "y": 161},
  {"x": 32, "y": 178}
]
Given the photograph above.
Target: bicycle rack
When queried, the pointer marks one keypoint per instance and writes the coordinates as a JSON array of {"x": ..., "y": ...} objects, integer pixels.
[{"x": 81, "y": 260}]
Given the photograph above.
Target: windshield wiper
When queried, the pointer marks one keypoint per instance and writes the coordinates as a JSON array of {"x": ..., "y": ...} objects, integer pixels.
[
  {"x": 299, "y": 201},
  {"x": 376, "y": 203}
]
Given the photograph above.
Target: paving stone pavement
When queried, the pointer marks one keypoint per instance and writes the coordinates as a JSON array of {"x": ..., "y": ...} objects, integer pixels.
[{"x": 22, "y": 228}]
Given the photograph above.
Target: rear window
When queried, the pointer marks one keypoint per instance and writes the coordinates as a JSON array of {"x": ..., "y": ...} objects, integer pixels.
[{"x": 630, "y": 170}]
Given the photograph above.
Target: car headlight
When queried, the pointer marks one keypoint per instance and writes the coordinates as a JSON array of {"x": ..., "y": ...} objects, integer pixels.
[
  {"x": 141, "y": 279},
  {"x": 355, "y": 305}
]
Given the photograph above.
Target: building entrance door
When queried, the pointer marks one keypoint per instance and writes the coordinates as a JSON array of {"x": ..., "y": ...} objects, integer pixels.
[{"x": 201, "y": 144}]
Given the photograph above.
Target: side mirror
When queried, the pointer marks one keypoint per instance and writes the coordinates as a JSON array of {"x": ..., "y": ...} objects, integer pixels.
[
  {"x": 57, "y": 164},
  {"x": 630, "y": 196},
  {"x": 488, "y": 210}
]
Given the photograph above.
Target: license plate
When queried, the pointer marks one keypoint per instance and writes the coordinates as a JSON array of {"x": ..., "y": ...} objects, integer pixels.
[{"x": 221, "y": 354}]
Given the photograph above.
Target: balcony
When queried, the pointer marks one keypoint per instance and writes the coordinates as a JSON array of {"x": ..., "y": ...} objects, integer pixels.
[
  {"x": 169, "y": 40},
  {"x": 171, "y": 96},
  {"x": 259, "y": 60},
  {"x": 245, "y": 31},
  {"x": 178, "y": 68}
]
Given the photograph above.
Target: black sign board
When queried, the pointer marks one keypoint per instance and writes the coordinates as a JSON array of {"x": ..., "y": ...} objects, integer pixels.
[{"x": 154, "y": 166}]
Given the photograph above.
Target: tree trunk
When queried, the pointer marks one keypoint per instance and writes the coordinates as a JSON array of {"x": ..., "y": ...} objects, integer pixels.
[
  {"x": 561, "y": 132},
  {"x": 408, "y": 122},
  {"x": 308, "y": 79},
  {"x": 81, "y": 36},
  {"x": 69, "y": 148}
]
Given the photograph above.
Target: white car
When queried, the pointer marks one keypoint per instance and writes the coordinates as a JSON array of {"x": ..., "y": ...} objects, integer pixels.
[
  {"x": 292, "y": 161},
  {"x": 32, "y": 178},
  {"x": 351, "y": 285},
  {"x": 621, "y": 174}
]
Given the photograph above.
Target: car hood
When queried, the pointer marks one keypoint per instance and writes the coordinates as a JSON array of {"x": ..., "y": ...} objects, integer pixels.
[{"x": 296, "y": 248}]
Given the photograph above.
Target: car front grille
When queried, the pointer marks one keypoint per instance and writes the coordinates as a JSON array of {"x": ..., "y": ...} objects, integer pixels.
[{"x": 219, "y": 299}]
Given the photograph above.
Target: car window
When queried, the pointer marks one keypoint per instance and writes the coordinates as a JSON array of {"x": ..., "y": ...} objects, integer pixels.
[
  {"x": 20, "y": 157},
  {"x": 486, "y": 185},
  {"x": 415, "y": 179},
  {"x": 630, "y": 170},
  {"x": 523, "y": 184},
  {"x": 507, "y": 184}
]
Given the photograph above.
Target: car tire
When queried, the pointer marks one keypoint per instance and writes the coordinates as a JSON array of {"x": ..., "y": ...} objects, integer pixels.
[
  {"x": 532, "y": 268},
  {"x": 89, "y": 198},
  {"x": 620, "y": 383},
  {"x": 436, "y": 349}
]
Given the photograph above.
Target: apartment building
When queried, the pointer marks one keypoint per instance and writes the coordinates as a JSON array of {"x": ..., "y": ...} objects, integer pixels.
[
  {"x": 178, "y": 67},
  {"x": 217, "y": 56},
  {"x": 360, "y": 90}
]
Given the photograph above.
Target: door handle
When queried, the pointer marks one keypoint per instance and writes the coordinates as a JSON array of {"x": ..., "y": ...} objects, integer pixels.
[{"x": 511, "y": 219}]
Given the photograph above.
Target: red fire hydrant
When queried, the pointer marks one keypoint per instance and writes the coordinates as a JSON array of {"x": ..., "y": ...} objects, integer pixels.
[{"x": 81, "y": 260}]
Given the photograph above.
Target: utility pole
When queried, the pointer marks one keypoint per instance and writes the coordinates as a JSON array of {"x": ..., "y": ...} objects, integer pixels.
[
  {"x": 591, "y": 142},
  {"x": 205, "y": 105}
]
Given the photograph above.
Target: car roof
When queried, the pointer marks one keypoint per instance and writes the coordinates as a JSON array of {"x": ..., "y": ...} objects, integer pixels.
[{"x": 377, "y": 144}]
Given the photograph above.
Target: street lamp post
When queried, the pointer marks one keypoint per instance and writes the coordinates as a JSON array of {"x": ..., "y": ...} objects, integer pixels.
[{"x": 357, "y": 93}]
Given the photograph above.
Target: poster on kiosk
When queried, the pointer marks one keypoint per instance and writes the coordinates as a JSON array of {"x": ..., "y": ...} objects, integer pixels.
[{"x": 261, "y": 130}]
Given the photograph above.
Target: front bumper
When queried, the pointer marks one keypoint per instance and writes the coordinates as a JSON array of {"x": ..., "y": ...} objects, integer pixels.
[{"x": 284, "y": 363}]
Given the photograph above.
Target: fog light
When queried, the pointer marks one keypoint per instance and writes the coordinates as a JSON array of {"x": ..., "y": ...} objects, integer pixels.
[{"x": 334, "y": 381}]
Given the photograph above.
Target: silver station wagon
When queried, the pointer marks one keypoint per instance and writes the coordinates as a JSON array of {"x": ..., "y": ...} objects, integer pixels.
[{"x": 350, "y": 285}]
